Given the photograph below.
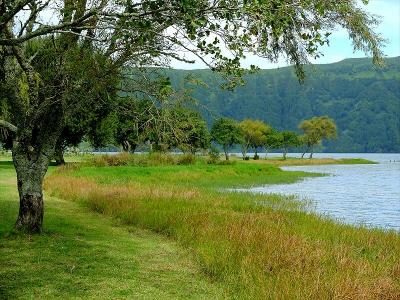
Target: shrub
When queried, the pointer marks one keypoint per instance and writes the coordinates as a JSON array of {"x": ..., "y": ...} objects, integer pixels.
[
  {"x": 120, "y": 159},
  {"x": 186, "y": 159},
  {"x": 213, "y": 156}
]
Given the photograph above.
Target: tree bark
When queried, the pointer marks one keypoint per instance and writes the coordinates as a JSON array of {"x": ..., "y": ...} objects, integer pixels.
[
  {"x": 311, "y": 152},
  {"x": 284, "y": 153},
  {"x": 226, "y": 153},
  {"x": 30, "y": 173}
]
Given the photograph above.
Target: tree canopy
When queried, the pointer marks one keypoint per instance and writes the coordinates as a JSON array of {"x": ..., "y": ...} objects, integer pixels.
[
  {"x": 255, "y": 134},
  {"x": 317, "y": 129},
  {"x": 227, "y": 133}
]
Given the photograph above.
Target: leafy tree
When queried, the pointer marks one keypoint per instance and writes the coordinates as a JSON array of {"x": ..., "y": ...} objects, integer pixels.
[
  {"x": 254, "y": 135},
  {"x": 287, "y": 139},
  {"x": 272, "y": 141},
  {"x": 140, "y": 34},
  {"x": 317, "y": 129},
  {"x": 134, "y": 117},
  {"x": 191, "y": 131},
  {"x": 227, "y": 133}
]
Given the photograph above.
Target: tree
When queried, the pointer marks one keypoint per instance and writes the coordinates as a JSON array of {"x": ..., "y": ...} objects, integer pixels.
[
  {"x": 133, "y": 119},
  {"x": 254, "y": 135},
  {"x": 227, "y": 133},
  {"x": 286, "y": 140},
  {"x": 305, "y": 143},
  {"x": 191, "y": 131},
  {"x": 317, "y": 129},
  {"x": 110, "y": 35},
  {"x": 272, "y": 141}
]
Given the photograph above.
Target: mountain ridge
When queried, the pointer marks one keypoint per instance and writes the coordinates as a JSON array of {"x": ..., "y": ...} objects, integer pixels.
[{"x": 363, "y": 100}]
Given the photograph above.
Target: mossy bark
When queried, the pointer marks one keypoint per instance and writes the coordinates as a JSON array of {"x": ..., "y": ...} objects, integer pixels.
[{"x": 30, "y": 174}]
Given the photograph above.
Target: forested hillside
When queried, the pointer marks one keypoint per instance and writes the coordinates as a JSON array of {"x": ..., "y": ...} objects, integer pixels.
[{"x": 364, "y": 101}]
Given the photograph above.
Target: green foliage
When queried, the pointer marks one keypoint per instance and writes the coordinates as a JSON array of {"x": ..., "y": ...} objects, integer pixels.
[
  {"x": 254, "y": 133},
  {"x": 363, "y": 101},
  {"x": 190, "y": 130},
  {"x": 317, "y": 129},
  {"x": 227, "y": 133},
  {"x": 287, "y": 139},
  {"x": 133, "y": 119}
]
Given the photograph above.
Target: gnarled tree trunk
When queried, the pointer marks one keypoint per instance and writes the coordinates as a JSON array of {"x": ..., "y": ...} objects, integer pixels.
[{"x": 30, "y": 170}]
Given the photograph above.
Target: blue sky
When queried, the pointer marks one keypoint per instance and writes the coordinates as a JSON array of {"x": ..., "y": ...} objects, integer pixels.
[{"x": 340, "y": 44}]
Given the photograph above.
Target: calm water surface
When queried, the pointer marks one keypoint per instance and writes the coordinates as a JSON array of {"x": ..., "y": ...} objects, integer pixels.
[{"x": 355, "y": 194}]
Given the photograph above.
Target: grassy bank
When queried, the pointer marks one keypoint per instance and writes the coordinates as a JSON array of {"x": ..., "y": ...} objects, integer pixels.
[
  {"x": 89, "y": 256},
  {"x": 256, "y": 246}
]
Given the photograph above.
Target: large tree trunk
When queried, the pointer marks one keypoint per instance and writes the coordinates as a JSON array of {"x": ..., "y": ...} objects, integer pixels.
[{"x": 30, "y": 173}]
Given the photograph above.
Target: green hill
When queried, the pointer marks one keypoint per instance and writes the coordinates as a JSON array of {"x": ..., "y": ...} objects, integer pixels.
[{"x": 364, "y": 101}]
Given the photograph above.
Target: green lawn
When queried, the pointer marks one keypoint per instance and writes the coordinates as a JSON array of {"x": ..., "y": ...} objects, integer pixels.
[{"x": 86, "y": 255}]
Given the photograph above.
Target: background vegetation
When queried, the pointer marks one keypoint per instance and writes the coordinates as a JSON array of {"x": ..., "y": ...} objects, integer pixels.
[{"x": 363, "y": 101}]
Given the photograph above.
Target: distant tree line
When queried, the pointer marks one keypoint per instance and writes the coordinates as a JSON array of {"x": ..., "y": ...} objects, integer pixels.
[{"x": 255, "y": 134}]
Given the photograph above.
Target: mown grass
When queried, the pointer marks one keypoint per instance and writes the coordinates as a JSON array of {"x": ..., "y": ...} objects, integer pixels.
[
  {"x": 257, "y": 246},
  {"x": 88, "y": 256}
]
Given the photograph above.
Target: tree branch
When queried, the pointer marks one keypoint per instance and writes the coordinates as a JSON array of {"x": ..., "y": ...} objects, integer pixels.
[
  {"x": 47, "y": 29},
  {"x": 8, "y": 126}
]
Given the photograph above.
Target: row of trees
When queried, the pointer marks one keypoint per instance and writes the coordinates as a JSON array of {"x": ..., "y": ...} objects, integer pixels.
[
  {"x": 138, "y": 122},
  {"x": 182, "y": 128},
  {"x": 255, "y": 134}
]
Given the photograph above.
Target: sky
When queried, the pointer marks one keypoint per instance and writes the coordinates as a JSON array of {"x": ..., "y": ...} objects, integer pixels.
[{"x": 340, "y": 44}]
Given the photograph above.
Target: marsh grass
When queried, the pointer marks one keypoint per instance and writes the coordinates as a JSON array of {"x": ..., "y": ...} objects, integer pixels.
[
  {"x": 167, "y": 159},
  {"x": 257, "y": 246}
]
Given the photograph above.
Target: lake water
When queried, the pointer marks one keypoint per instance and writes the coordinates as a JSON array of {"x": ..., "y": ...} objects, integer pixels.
[{"x": 355, "y": 194}]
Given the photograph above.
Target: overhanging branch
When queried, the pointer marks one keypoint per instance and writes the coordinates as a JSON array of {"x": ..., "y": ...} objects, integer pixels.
[{"x": 8, "y": 126}]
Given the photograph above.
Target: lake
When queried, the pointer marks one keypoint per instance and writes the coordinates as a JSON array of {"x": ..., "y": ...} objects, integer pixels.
[{"x": 354, "y": 194}]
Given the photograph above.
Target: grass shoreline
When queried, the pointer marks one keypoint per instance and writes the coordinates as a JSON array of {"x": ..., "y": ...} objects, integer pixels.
[
  {"x": 257, "y": 251},
  {"x": 250, "y": 251}
]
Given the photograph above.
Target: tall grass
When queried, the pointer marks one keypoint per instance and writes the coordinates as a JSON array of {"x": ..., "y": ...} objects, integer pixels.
[
  {"x": 144, "y": 160},
  {"x": 260, "y": 247}
]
